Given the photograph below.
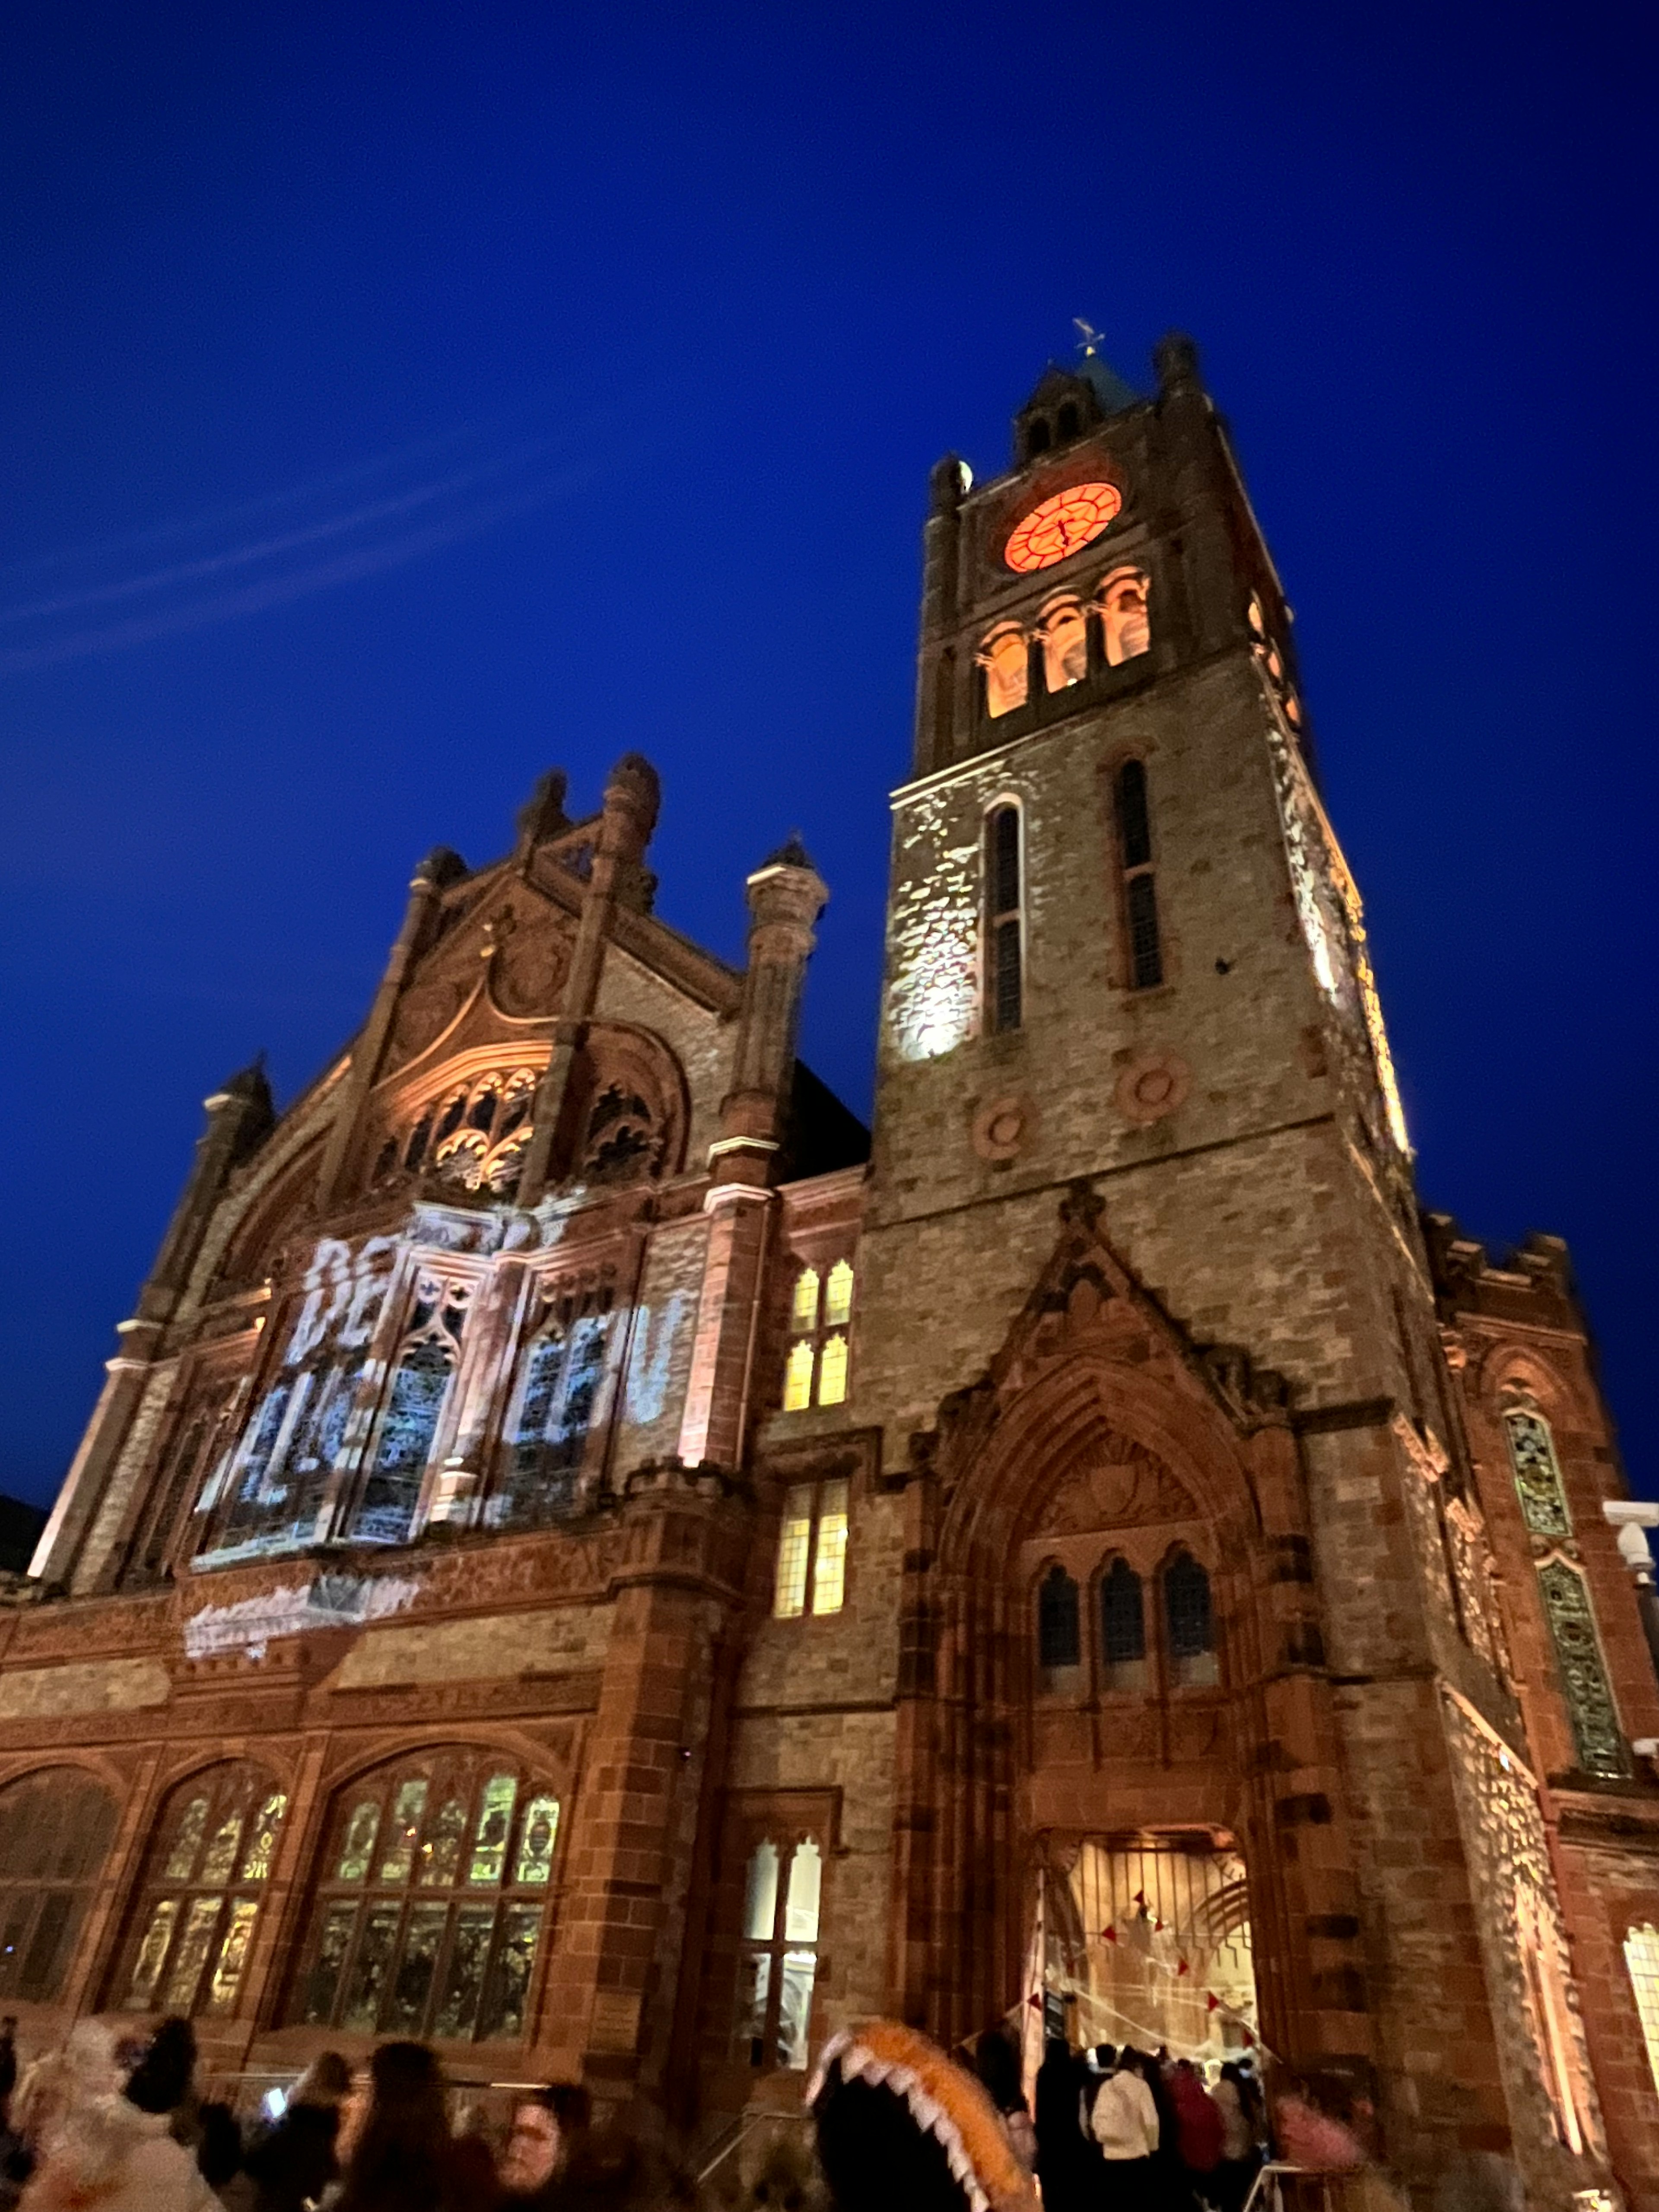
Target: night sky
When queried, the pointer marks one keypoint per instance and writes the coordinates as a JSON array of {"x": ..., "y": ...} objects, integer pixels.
[{"x": 397, "y": 400}]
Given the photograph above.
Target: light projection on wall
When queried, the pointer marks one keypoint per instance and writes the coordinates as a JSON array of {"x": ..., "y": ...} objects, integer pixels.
[{"x": 933, "y": 951}]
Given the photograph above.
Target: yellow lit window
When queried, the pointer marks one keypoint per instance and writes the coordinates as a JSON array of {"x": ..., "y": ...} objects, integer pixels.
[
  {"x": 795, "y": 1548},
  {"x": 1006, "y": 661},
  {"x": 811, "y": 1549},
  {"x": 1642, "y": 1958},
  {"x": 830, "y": 1558},
  {"x": 1065, "y": 649},
  {"x": 820, "y": 1310},
  {"x": 797, "y": 1379}
]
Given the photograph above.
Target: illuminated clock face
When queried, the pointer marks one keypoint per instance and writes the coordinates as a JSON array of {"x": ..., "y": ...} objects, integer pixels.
[{"x": 1062, "y": 525}]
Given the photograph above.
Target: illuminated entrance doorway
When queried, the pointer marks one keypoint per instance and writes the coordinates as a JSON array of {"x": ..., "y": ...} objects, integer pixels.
[{"x": 1145, "y": 1939}]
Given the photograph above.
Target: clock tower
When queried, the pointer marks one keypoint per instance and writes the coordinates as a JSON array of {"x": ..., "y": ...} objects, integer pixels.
[{"x": 1148, "y": 1326}]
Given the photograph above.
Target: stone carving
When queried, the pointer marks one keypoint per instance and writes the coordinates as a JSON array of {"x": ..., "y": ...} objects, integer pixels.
[
  {"x": 424, "y": 1013},
  {"x": 526, "y": 978},
  {"x": 1125, "y": 1488}
]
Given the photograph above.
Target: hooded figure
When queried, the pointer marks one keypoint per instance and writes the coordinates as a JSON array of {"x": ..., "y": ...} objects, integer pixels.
[{"x": 902, "y": 2128}]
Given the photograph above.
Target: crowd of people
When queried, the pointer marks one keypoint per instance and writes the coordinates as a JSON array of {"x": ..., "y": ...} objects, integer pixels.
[{"x": 100, "y": 2126}]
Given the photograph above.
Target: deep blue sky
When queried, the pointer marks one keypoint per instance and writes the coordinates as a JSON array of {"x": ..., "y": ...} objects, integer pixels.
[{"x": 396, "y": 400}]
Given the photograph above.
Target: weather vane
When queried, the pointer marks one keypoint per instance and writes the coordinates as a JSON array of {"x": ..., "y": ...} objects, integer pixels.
[{"x": 1090, "y": 337}]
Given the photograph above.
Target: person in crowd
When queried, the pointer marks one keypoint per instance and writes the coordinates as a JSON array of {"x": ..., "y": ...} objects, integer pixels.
[
  {"x": 8, "y": 2065},
  {"x": 997, "y": 2064},
  {"x": 394, "y": 2143},
  {"x": 614, "y": 2169},
  {"x": 1199, "y": 2129},
  {"x": 1236, "y": 2101},
  {"x": 293, "y": 2163},
  {"x": 1124, "y": 2123},
  {"x": 547, "y": 2128},
  {"x": 94, "y": 2146},
  {"x": 1308, "y": 2133},
  {"x": 1067, "y": 2164}
]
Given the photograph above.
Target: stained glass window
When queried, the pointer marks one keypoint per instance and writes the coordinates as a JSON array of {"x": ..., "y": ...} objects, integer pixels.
[
  {"x": 1122, "y": 1628},
  {"x": 1537, "y": 1475},
  {"x": 1642, "y": 1962},
  {"x": 55, "y": 1829},
  {"x": 387, "y": 1512},
  {"x": 1060, "y": 1633},
  {"x": 1596, "y": 1732},
  {"x": 1189, "y": 1623},
  {"x": 778, "y": 1966},
  {"x": 192, "y": 1926},
  {"x": 811, "y": 1549},
  {"x": 429, "y": 1918},
  {"x": 562, "y": 1369}
]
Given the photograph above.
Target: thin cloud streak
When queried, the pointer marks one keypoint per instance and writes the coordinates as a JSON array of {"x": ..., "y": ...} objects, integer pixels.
[{"x": 279, "y": 590}]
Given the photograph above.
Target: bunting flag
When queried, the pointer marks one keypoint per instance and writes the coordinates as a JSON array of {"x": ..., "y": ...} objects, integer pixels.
[
  {"x": 1108, "y": 1935},
  {"x": 1036, "y": 2000},
  {"x": 1211, "y": 2002},
  {"x": 1185, "y": 1967},
  {"x": 1157, "y": 1927}
]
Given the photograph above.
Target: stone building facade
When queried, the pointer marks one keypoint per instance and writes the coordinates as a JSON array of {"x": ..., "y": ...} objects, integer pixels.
[{"x": 585, "y": 1557}]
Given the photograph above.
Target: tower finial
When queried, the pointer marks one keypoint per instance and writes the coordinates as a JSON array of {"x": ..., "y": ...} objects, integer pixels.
[{"x": 1089, "y": 340}]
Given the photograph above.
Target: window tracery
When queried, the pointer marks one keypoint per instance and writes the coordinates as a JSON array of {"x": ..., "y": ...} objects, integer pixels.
[
  {"x": 473, "y": 1137},
  {"x": 429, "y": 1912},
  {"x": 811, "y": 1549},
  {"x": 193, "y": 1925},
  {"x": 56, "y": 1829},
  {"x": 624, "y": 1137},
  {"x": 561, "y": 1372},
  {"x": 420, "y": 1375},
  {"x": 1596, "y": 1733},
  {"x": 820, "y": 1314},
  {"x": 1125, "y": 617}
]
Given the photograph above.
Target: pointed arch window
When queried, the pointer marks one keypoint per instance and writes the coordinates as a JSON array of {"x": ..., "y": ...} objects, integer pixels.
[
  {"x": 408, "y": 1425},
  {"x": 1005, "y": 920},
  {"x": 190, "y": 1935},
  {"x": 562, "y": 1373},
  {"x": 811, "y": 1549},
  {"x": 429, "y": 1912},
  {"x": 56, "y": 1829},
  {"x": 1122, "y": 1628},
  {"x": 1059, "y": 1629},
  {"x": 1134, "y": 842},
  {"x": 1583, "y": 1671},
  {"x": 1188, "y": 1624},
  {"x": 782, "y": 1910},
  {"x": 1642, "y": 1964}
]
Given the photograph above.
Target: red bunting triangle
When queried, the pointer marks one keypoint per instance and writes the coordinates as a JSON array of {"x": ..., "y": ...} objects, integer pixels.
[
  {"x": 1183, "y": 1968},
  {"x": 1249, "y": 2040},
  {"x": 1108, "y": 1935},
  {"x": 1211, "y": 2002},
  {"x": 1157, "y": 1927},
  {"x": 1036, "y": 2000}
]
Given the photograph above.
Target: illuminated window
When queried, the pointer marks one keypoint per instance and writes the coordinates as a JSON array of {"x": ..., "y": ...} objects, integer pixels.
[
  {"x": 1126, "y": 625},
  {"x": 811, "y": 1549},
  {"x": 1064, "y": 648},
  {"x": 474, "y": 1138},
  {"x": 1188, "y": 1624},
  {"x": 428, "y": 1909},
  {"x": 189, "y": 1939},
  {"x": 1122, "y": 1628},
  {"x": 1642, "y": 1960},
  {"x": 560, "y": 1375},
  {"x": 782, "y": 1906},
  {"x": 1059, "y": 1628},
  {"x": 1537, "y": 1475},
  {"x": 1004, "y": 926},
  {"x": 55, "y": 1829},
  {"x": 1006, "y": 662},
  {"x": 407, "y": 1427},
  {"x": 1134, "y": 844},
  {"x": 820, "y": 1313}
]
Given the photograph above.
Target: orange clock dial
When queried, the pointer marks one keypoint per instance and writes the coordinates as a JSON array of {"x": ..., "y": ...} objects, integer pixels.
[{"x": 1062, "y": 525}]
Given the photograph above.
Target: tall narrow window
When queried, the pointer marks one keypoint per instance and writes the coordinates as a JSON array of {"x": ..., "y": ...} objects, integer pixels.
[
  {"x": 820, "y": 1314},
  {"x": 811, "y": 1549},
  {"x": 1600, "y": 1740},
  {"x": 1642, "y": 1962},
  {"x": 782, "y": 1906},
  {"x": 561, "y": 1374},
  {"x": 1134, "y": 838},
  {"x": 1059, "y": 1629},
  {"x": 408, "y": 1426},
  {"x": 1537, "y": 1475},
  {"x": 1126, "y": 628},
  {"x": 1122, "y": 1628},
  {"x": 1188, "y": 1624},
  {"x": 55, "y": 1829},
  {"x": 1004, "y": 921},
  {"x": 1005, "y": 659},
  {"x": 430, "y": 1902},
  {"x": 189, "y": 1939},
  {"x": 1064, "y": 648}
]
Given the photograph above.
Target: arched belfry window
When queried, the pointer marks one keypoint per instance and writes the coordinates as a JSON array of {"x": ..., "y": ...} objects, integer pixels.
[
  {"x": 1005, "y": 920},
  {"x": 55, "y": 1830},
  {"x": 429, "y": 1905},
  {"x": 1122, "y": 1628},
  {"x": 1065, "y": 646},
  {"x": 1188, "y": 1624},
  {"x": 190, "y": 1934},
  {"x": 1125, "y": 621},
  {"x": 1005, "y": 659},
  {"x": 1133, "y": 808}
]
